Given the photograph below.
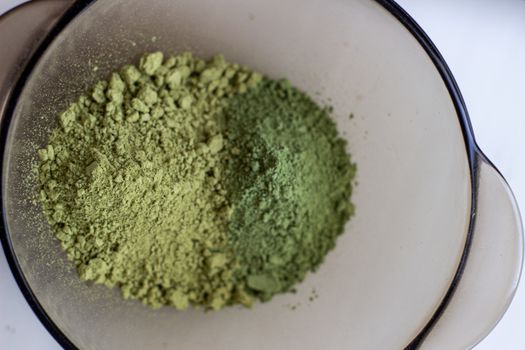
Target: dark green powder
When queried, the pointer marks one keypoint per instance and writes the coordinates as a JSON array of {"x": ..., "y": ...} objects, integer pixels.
[
  {"x": 290, "y": 186},
  {"x": 190, "y": 182}
]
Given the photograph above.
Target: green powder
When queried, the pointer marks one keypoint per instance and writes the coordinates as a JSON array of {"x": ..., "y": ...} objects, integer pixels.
[
  {"x": 290, "y": 189},
  {"x": 191, "y": 182}
]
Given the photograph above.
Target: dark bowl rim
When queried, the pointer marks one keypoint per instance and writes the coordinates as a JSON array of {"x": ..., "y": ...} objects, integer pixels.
[{"x": 472, "y": 150}]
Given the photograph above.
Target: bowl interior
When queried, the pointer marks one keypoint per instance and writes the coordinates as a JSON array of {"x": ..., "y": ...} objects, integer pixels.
[{"x": 395, "y": 262}]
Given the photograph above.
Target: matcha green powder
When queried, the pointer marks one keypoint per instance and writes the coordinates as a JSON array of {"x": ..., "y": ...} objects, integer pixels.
[{"x": 190, "y": 182}]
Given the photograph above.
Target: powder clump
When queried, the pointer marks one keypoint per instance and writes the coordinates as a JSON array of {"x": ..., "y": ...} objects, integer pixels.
[
  {"x": 190, "y": 182},
  {"x": 291, "y": 187}
]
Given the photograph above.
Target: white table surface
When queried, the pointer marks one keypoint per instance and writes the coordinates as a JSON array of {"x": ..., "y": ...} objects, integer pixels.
[{"x": 483, "y": 42}]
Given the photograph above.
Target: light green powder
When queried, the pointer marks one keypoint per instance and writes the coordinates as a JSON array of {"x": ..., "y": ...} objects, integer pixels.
[{"x": 185, "y": 182}]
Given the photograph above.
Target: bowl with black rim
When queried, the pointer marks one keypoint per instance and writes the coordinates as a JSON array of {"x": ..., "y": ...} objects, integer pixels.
[{"x": 431, "y": 259}]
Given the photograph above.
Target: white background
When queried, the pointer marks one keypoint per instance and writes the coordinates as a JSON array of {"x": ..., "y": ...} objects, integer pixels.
[{"x": 483, "y": 42}]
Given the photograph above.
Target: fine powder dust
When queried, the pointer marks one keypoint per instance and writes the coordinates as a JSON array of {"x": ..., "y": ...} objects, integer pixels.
[{"x": 190, "y": 182}]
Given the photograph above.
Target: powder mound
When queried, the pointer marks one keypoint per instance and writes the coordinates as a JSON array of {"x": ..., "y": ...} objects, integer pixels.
[
  {"x": 290, "y": 186},
  {"x": 190, "y": 182}
]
